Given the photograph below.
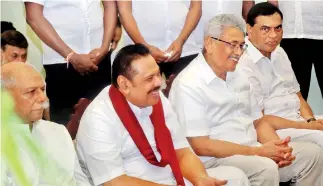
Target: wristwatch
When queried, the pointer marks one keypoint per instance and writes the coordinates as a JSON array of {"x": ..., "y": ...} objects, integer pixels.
[{"x": 310, "y": 119}]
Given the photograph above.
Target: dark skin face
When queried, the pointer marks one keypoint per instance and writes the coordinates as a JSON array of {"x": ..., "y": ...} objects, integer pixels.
[
  {"x": 266, "y": 34},
  {"x": 142, "y": 89},
  {"x": 13, "y": 54}
]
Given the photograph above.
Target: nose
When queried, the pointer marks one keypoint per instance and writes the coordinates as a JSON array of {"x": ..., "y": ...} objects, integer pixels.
[
  {"x": 272, "y": 33},
  {"x": 41, "y": 96},
  {"x": 238, "y": 51},
  {"x": 158, "y": 81}
]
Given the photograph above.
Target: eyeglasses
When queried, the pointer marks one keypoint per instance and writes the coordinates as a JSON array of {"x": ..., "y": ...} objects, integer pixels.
[{"x": 233, "y": 46}]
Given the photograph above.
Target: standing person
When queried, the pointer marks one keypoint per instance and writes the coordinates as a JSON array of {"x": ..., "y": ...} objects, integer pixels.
[
  {"x": 76, "y": 38},
  {"x": 164, "y": 27},
  {"x": 303, "y": 27}
]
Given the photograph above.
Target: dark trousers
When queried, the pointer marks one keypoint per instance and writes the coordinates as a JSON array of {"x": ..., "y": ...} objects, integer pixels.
[
  {"x": 303, "y": 53},
  {"x": 66, "y": 86},
  {"x": 177, "y": 66}
]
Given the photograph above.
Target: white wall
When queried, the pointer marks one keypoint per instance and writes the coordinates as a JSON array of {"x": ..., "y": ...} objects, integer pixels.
[{"x": 13, "y": 11}]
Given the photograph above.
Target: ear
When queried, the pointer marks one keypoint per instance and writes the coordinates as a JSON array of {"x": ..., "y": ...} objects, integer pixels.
[
  {"x": 124, "y": 84},
  {"x": 249, "y": 29},
  {"x": 209, "y": 45}
]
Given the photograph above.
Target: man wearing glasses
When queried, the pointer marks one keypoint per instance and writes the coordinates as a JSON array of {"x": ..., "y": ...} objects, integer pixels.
[{"x": 213, "y": 106}]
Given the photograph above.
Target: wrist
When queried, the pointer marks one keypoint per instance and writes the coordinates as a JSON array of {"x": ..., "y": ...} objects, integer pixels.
[
  {"x": 255, "y": 151},
  {"x": 310, "y": 119}
]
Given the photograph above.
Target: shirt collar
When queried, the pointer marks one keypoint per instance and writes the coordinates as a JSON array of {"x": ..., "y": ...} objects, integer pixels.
[
  {"x": 256, "y": 55},
  {"x": 140, "y": 112},
  {"x": 208, "y": 74},
  {"x": 205, "y": 70}
]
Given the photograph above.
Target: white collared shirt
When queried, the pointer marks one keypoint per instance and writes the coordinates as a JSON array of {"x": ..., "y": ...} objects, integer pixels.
[
  {"x": 161, "y": 22},
  {"x": 274, "y": 84},
  {"x": 60, "y": 166},
  {"x": 302, "y": 19},
  {"x": 208, "y": 106},
  {"x": 212, "y": 8},
  {"x": 107, "y": 150},
  {"x": 78, "y": 23}
]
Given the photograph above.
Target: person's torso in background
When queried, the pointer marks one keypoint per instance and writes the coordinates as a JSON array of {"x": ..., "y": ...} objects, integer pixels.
[
  {"x": 161, "y": 22},
  {"x": 78, "y": 23},
  {"x": 211, "y": 9},
  {"x": 302, "y": 19}
]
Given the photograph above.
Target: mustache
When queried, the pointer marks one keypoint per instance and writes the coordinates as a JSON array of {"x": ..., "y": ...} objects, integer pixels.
[
  {"x": 45, "y": 105},
  {"x": 154, "y": 89}
]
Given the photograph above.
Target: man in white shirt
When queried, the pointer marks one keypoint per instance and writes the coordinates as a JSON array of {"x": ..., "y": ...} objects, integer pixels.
[
  {"x": 273, "y": 83},
  {"x": 76, "y": 39},
  {"x": 129, "y": 135},
  {"x": 27, "y": 88},
  {"x": 164, "y": 27},
  {"x": 213, "y": 105},
  {"x": 303, "y": 27}
]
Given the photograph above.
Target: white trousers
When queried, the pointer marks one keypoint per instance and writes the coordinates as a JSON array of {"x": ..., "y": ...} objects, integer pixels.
[
  {"x": 233, "y": 175},
  {"x": 306, "y": 170},
  {"x": 303, "y": 135}
]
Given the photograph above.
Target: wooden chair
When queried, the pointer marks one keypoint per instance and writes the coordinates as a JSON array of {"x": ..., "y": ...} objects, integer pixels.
[{"x": 73, "y": 125}]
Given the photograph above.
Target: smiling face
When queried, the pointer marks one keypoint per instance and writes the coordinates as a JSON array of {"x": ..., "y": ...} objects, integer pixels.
[
  {"x": 266, "y": 33},
  {"x": 225, "y": 52},
  {"x": 142, "y": 89}
]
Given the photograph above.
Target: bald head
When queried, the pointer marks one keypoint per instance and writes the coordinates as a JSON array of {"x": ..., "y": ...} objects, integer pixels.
[
  {"x": 17, "y": 73},
  {"x": 27, "y": 87}
]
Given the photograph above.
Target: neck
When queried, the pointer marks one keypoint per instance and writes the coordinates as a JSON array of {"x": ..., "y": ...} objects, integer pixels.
[
  {"x": 266, "y": 54},
  {"x": 215, "y": 69},
  {"x": 31, "y": 124}
]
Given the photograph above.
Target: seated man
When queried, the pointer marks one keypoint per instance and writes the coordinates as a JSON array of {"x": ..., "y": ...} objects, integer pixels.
[
  {"x": 213, "y": 106},
  {"x": 13, "y": 47},
  {"x": 129, "y": 135},
  {"x": 27, "y": 88},
  {"x": 274, "y": 85}
]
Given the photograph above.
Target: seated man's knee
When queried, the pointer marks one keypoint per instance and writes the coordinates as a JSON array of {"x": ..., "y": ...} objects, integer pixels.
[
  {"x": 234, "y": 175},
  {"x": 266, "y": 168}
]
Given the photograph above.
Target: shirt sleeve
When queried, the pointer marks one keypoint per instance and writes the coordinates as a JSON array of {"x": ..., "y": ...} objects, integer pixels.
[
  {"x": 190, "y": 109},
  {"x": 41, "y": 2},
  {"x": 295, "y": 87},
  {"x": 99, "y": 144},
  {"x": 178, "y": 136},
  {"x": 256, "y": 93}
]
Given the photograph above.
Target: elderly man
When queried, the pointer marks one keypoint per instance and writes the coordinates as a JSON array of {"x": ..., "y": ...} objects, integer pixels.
[
  {"x": 27, "y": 88},
  {"x": 213, "y": 106},
  {"x": 14, "y": 47},
  {"x": 274, "y": 85},
  {"x": 129, "y": 135}
]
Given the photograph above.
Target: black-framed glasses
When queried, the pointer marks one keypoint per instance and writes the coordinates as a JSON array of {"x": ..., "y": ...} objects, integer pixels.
[{"x": 233, "y": 46}]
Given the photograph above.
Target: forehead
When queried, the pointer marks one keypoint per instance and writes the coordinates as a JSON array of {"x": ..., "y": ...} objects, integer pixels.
[
  {"x": 29, "y": 78},
  {"x": 145, "y": 65},
  {"x": 233, "y": 34},
  {"x": 13, "y": 49},
  {"x": 271, "y": 20}
]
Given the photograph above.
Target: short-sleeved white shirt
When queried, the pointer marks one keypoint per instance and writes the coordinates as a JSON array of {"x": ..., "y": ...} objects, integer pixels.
[
  {"x": 106, "y": 149},
  {"x": 274, "y": 84},
  {"x": 161, "y": 22},
  {"x": 78, "y": 23},
  {"x": 302, "y": 19},
  {"x": 209, "y": 106}
]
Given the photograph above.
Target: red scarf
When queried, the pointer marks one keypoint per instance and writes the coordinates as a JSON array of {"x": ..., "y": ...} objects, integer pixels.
[{"x": 163, "y": 137}]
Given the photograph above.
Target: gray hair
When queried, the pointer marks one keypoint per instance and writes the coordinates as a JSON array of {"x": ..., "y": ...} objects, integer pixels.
[{"x": 217, "y": 24}]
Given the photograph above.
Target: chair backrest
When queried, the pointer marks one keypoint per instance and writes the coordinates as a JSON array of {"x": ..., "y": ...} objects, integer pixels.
[
  {"x": 169, "y": 82},
  {"x": 73, "y": 125}
]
